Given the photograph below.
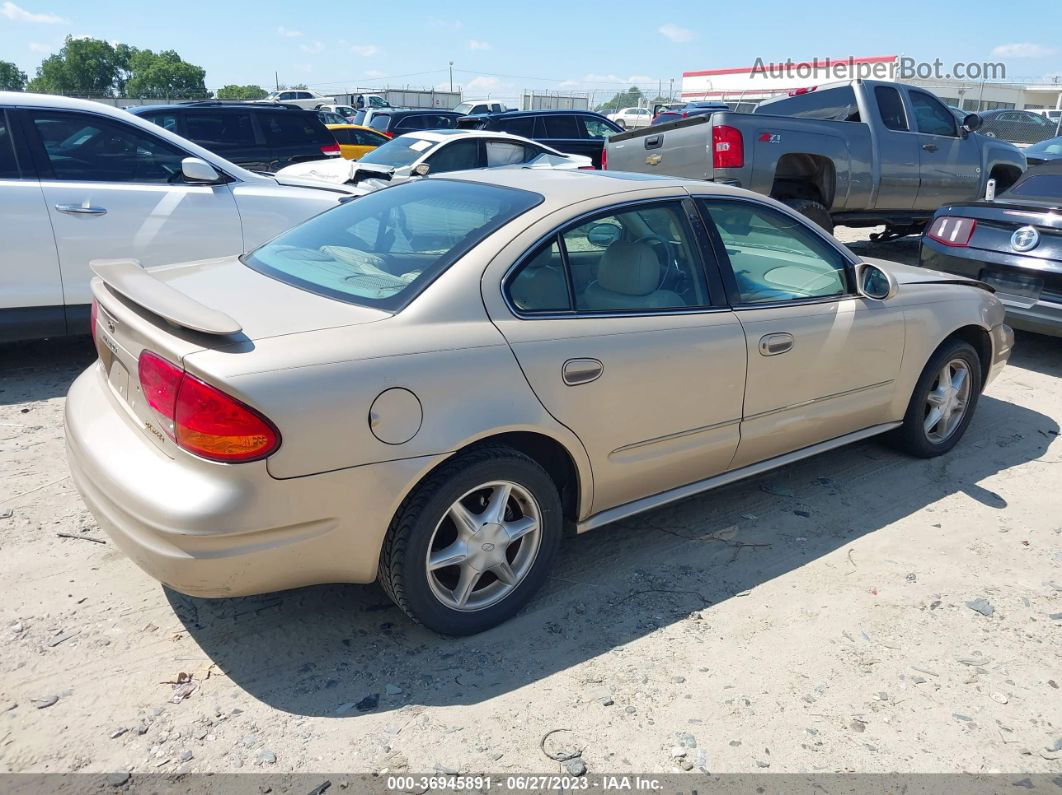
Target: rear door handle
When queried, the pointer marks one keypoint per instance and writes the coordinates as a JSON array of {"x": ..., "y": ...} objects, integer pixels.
[
  {"x": 774, "y": 344},
  {"x": 581, "y": 371},
  {"x": 80, "y": 209},
  {"x": 929, "y": 147}
]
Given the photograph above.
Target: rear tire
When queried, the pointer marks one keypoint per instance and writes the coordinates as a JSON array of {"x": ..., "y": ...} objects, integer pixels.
[
  {"x": 621, "y": 124},
  {"x": 448, "y": 560},
  {"x": 813, "y": 210},
  {"x": 933, "y": 423}
]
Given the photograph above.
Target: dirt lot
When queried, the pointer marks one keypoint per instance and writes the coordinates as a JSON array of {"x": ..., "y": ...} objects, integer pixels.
[{"x": 816, "y": 619}]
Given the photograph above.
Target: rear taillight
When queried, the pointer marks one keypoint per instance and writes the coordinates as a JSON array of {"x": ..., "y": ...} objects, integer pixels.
[
  {"x": 684, "y": 115},
  {"x": 202, "y": 419},
  {"x": 728, "y": 147},
  {"x": 330, "y": 149},
  {"x": 604, "y": 159},
  {"x": 950, "y": 230},
  {"x": 94, "y": 314},
  {"x": 801, "y": 91}
]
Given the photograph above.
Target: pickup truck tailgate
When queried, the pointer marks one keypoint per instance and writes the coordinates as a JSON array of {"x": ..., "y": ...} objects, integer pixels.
[{"x": 677, "y": 149}]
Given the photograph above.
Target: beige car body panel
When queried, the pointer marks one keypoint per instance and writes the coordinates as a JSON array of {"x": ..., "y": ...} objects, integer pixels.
[{"x": 369, "y": 403}]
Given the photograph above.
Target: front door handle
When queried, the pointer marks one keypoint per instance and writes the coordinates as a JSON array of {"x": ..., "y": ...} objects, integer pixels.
[
  {"x": 80, "y": 209},
  {"x": 581, "y": 371},
  {"x": 929, "y": 147},
  {"x": 774, "y": 344}
]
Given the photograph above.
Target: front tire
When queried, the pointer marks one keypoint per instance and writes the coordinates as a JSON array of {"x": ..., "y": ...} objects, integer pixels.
[
  {"x": 473, "y": 543},
  {"x": 621, "y": 124},
  {"x": 943, "y": 402}
]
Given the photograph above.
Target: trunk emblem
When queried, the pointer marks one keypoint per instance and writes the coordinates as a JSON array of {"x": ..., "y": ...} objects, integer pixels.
[{"x": 1025, "y": 239}]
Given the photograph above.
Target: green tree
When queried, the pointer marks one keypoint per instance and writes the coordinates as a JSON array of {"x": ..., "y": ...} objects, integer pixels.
[
  {"x": 11, "y": 77},
  {"x": 630, "y": 98},
  {"x": 164, "y": 75},
  {"x": 233, "y": 91},
  {"x": 88, "y": 67}
]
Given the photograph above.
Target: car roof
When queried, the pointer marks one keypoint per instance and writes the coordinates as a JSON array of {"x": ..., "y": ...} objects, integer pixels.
[
  {"x": 517, "y": 113},
  {"x": 442, "y": 135},
  {"x": 574, "y": 186},
  {"x": 216, "y": 104},
  {"x": 353, "y": 127},
  {"x": 407, "y": 111}
]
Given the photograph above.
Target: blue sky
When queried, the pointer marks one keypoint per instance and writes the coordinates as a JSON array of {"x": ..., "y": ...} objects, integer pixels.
[{"x": 500, "y": 48}]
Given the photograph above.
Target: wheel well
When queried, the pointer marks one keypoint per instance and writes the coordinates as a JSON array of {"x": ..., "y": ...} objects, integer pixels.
[
  {"x": 981, "y": 342},
  {"x": 1005, "y": 176},
  {"x": 803, "y": 176}
]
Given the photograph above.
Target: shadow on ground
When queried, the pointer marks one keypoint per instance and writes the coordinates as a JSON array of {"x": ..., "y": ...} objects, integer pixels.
[{"x": 42, "y": 369}]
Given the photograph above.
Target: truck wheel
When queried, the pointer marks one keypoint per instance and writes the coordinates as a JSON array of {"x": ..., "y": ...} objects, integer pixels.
[
  {"x": 621, "y": 124},
  {"x": 813, "y": 210}
]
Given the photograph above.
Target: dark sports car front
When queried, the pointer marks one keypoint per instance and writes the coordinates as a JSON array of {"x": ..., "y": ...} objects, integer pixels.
[{"x": 1013, "y": 243}]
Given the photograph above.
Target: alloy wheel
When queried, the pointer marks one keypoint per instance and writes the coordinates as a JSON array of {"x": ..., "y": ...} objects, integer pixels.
[{"x": 947, "y": 401}]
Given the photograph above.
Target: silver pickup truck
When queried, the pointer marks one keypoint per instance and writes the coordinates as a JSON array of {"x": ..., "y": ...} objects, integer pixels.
[{"x": 858, "y": 153}]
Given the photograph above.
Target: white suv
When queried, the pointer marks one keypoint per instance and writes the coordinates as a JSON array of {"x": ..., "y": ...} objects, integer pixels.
[
  {"x": 630, "y": 118},
  {"x": 304, "y": 98},
  {"x": 80, "y": 181}
]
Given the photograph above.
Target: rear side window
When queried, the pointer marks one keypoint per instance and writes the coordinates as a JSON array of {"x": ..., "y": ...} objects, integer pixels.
[
  {"x": 291, "y": 128},
  {"x": 86, "y": 147},
  {"x": 833, "y": 104},
  {"x": 380, "y": 122},
  {"x": 8, "y": 163},
  {"x": 385, "y": 248},
  {"x": 520, "y": 125},
  {"x": 345, "y": 137},
  {"x": 366, "y": 138},
  {"x": 563, "y": 126},
  {"x": 219, "y": 129},
  {"x": 931, "y": 116},
  {"x": 890, "y": 106},
  {"x": 456, "y": 156}
]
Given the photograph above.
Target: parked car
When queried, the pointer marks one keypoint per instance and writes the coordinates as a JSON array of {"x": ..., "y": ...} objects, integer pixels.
[
  {"x": 631, "y": 118},
  {"x": 437, "y": 152},
  {"x": 304, "y": 98},
  {"x": 355, "y": 142},
  {"x": 688, "y": 110},
  {"x": 81, "y": 181},
  {"x": 326, "y": 118},
  {"x": 471, "y": 106},
  {"x": 346, "y": 111},
  {"x": 257, "y": 136},
  {"x": 576, "y": 132},
  {"x": 1013, "y": 243},
  {"x": 429, "y": 384},
  {"x": 398, "y": 122},
  {"x": 371, "y": 101},
  {"x": 1017, "y": 126},
  {"x": 858, "y": 153},
  {"x": 1044, "y": 152}
]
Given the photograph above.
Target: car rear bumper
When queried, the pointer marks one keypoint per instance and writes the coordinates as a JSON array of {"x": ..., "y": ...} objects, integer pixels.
[{"x": 211, "y": 530}]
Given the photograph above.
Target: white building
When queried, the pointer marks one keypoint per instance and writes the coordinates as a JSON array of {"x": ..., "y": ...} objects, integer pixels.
[{"x": 763, "y": 80}]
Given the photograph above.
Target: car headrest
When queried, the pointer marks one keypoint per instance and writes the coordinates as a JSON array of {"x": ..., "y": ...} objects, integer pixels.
[{"x": 629, "y": 269}]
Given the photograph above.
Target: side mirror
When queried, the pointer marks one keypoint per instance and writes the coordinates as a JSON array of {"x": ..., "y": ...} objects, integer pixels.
[
  {"x": 196, "y": 170},
  {"x": 422, "y": 170},
  {"x": 603, "y": 235},
  {"x": 972, "y": 122},
  {"x": 874, "y": 282}
]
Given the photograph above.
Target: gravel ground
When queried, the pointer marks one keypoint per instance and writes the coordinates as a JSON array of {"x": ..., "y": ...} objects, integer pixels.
[{"x": 859, "y": 611}]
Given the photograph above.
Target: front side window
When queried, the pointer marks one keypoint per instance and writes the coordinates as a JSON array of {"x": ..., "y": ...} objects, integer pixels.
[
  {"x": 775, "y": 257},
  {"x": 931, "y": 116},
  {"x": 455, "y": 156},
  {"x": 596, "y": 128},
  {"x": 166, "y": 120},
  {"x": 84, "y": 147},
  {"x": 385, "y": 248},
  {"x": 890, "y": 106},
  {"x": 366, "y": 138}
]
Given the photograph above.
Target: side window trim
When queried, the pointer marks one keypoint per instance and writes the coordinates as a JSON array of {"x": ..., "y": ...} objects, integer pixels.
[
  {"x": 727, "y": 269},
  {"x": 25, "y": 162}
]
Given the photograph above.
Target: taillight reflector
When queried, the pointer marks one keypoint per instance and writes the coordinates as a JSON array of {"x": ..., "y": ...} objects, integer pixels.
[
  {"x": 201, "y": 418},
  {"x": 728, "y": 147},
  {"x": 953, "y": 231},
  {"x": 604, "y": 159}
]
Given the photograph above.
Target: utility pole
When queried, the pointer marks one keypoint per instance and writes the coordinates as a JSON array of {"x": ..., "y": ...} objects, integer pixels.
[
  {"x": 671, "y": 90},
  {"x": 276, "y": 78},
  {"x": 451, "y": 77}
]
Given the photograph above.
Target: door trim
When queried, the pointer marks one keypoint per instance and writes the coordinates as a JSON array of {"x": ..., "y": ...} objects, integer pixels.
[
  {"x": 822, "y": 399},
  {"x": 691, "y": 489}
]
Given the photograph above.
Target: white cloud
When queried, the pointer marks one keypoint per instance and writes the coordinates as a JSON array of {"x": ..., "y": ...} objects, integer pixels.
[
  {"x": 288, "y": 33},
  {"x": 313, "y": 47},
  {"x": 365, "y": 50},
  {"x": 675, "y": 33},
  {"x": 38, "y": 47},
  {"x": 19, "y": 14},
  {"x": 476, "y": 44},
  {"x": 1024, "y": 49}
]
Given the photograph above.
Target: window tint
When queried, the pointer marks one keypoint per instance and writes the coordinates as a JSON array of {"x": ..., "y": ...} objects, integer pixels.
[
  {"x": 165, "y": 120},
  {"x": 833, "y": 104},
  {"x": 81, "y": 146},
  {"x": 292, "y": 128},
  {"x": 366, "y": 138},
  {"x": 890, "y": 106},
  {"x": 596, "y": 128},
  {"x": 1041, "y": 185},
  {"x": 521, "y": 125},
  {"x": 541, "y": 285},
  {"x": 219, "y": 129},
  {"x": 345, "y": 137},
  {"x": 8, "y": 163},
  {"x": 931, "y": 116},
  {"x": 387, "y": 246},
  {"x": 775, "y": 257},
  {"x": 287, "y": 95},
  {"x": 640, "y": 259},
  {"x": 455, "y": 156},
  {"x": 379, "y": 121},
  {"x": 562, "y": 126}
]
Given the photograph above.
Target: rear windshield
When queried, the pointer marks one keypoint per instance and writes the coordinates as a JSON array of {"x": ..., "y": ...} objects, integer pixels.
[
  {"x": 831, "y": 104},
  {"x": 380, "y": 121},
  {"x": 398, "y": 152},
  {"x": 382, "y": 249},
  {"x": 1039, "y": 186},
  {"x": 294, "y": 127}
]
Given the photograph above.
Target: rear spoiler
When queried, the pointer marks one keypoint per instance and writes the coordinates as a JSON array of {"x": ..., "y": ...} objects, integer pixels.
[{"x": 127, "y": 278}]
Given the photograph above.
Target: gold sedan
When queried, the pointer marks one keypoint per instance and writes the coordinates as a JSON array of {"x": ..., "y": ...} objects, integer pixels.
[{"x": 356, "y": 141}]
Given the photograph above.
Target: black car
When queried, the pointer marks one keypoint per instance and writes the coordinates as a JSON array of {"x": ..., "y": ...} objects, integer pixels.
[
  {"x": 1012, "y": 243},
  {"x": 258, "y": 136},
  {"x": 1017, "y": 126},
  {"x": 393, "y": 122},
  {"x": 575, "y": 132},
  {"x": 1051, "y": 149}
]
